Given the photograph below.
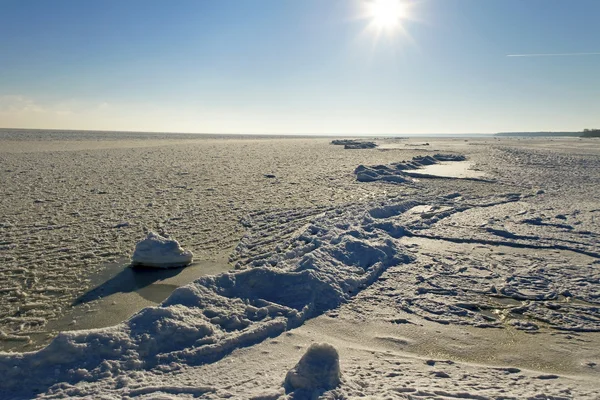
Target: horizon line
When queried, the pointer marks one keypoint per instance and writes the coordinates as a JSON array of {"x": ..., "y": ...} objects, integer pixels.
[
  {"x": 290, "y": 134},
  {"x": 554, "y": 54}
]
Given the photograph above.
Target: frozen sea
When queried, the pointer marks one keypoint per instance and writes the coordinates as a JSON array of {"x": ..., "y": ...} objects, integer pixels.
[{"x": 433, "y": 279}]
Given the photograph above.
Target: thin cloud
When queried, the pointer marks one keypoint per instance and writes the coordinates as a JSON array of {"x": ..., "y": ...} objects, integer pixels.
[{"x": 553, "y": 54}]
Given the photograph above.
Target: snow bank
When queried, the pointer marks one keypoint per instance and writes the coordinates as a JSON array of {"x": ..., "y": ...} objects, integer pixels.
[
  {"x": 317, "y": 370},
  {"x": 159, "y": 252}
]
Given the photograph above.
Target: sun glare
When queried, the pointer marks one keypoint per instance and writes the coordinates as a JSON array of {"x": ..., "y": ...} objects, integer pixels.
[{"x": 387, "y": 14}]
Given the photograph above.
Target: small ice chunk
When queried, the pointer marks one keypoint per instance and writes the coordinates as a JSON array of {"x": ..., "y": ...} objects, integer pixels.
[
  {"x": 318, "y": 369},
  {"x": 160, "y": 252}
]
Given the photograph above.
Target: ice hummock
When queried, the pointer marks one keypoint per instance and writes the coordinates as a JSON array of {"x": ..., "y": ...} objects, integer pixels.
[
  {"x": 450, "y": 166},
  {"x": 157, "y": 251}
]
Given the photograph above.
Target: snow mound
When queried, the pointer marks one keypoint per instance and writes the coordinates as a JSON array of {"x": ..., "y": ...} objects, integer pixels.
[
  {"x": 159, "y": 252},
  {"x": 317, "y": 370}
]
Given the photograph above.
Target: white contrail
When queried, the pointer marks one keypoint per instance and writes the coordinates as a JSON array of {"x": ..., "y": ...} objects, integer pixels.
[{"x": 553, "y": 54}]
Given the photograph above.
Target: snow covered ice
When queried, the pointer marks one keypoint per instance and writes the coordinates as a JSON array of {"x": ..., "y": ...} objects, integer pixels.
[
  {"x": 443, "y": 288},
  {"x": 159, "y": 252}
]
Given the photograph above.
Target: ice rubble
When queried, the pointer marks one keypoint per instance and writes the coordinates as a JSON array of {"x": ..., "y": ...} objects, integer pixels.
[
  {"x": 353, "y": 144},
  {"x": 157, "y": 251},
  {"x": 360, "y": 145},
  {"x": 400, "y": 172}
]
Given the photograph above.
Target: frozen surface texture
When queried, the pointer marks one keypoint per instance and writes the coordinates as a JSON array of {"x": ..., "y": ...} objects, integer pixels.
[
  {"x": 75, "y": 202},
  {"x": 159, "y": 252},
  {"x": 445, "y": 288}
]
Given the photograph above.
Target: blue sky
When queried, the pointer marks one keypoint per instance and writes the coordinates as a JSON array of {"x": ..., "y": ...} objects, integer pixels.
[{"x": 299, "y": 66}]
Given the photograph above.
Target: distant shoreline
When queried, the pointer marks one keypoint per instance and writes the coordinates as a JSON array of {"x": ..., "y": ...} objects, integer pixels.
[
  {"x": 257, "y": 135},
  {"x": 324, "y": 135},
  {"x": 539, "y": 134},
  {"x": 304, "y": 135}
]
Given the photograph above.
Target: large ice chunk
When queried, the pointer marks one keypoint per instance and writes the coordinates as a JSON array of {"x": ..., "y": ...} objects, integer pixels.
[{"x": 159, "y": 252}]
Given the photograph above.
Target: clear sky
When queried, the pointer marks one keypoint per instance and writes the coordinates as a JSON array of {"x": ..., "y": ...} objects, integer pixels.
[{"x": 300, "y": 66}]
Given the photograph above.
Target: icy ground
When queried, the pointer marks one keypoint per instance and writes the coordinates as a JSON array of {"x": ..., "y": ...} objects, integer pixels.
[{"x": 431, "y": 289}]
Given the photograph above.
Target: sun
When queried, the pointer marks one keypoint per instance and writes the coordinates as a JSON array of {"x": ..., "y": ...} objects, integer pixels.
[
  {"x": 389, "y": 20},
  {"x": 387, "y": 14}
]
